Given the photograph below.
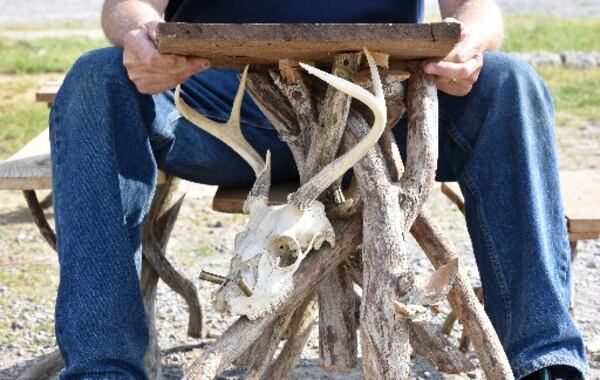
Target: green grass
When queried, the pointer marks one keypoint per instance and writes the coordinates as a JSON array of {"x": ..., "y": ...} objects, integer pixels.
[
  {"x": 527, "y": 33},
  {"x": 576, "y": 94},
  {"x": 69, "y": 25},
  {"x": 44, "y": 55}
]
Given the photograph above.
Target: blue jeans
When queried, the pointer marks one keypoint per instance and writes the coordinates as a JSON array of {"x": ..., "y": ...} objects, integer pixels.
[{"x": 108, "y": 141}]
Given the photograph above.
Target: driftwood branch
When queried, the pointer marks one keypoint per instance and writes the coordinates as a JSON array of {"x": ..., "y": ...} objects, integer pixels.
[
  {"x": 156, "y": 235},
  {"x": 45, "y": 368},
  {"x": 464, "y": 302},
  {"x": 422, "y": 147},
  {"x": 337, "y": 325},
  {"x": 242, "y": 333},
  {"x": 299, "y": 327}
]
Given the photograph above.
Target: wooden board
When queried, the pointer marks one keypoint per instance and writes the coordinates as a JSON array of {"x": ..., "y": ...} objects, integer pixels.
[
  {"x": 47, "y": 92},
  {"x": 235, "y": 45},
  {"x": 31, "y": 169},
  {"x": 231, "y": 199},
  {"x": 581, "y": 198},
  {"x": 581, "y": 195}
]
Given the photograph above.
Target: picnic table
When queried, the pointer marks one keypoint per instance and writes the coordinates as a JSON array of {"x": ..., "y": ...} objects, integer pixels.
[{"x": 297, "y": 105}]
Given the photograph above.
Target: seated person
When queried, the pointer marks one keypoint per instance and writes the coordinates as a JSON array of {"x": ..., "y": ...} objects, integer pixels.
[{"x": 114, "y": 124}]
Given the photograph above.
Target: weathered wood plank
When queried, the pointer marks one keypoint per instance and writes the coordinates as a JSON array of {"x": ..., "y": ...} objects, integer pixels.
[
  {"x": 47, "y": 92},
  {"x": 231, "y": 200},
  {"x": 30, "y": 168},
  {"x": 235, "y": 45},
  {"x": 579, "y": 190}
]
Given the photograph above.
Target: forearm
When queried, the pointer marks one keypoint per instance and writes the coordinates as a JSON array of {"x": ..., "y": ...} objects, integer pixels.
[
  {"x": 483, "y": 17},
  {"x": 119, "y": 17}
]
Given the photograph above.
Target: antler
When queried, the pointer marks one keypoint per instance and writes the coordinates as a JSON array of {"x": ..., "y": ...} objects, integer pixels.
[
  {"x": 376, "y": 102},
  {"x": 230, "y": 132}
]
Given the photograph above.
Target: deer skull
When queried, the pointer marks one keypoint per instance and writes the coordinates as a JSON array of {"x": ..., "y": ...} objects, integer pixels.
[{"x": 277, "y": 238}]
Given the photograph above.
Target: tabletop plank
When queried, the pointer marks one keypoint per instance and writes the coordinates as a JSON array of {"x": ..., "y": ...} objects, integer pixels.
[{"x": 234, "y": 45}]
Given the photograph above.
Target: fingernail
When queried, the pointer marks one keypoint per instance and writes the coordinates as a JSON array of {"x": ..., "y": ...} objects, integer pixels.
[{"x": 429, "y": 68}]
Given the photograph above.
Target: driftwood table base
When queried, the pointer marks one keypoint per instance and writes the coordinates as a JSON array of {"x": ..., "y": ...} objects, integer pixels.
[{"x": 314, "y": 120}]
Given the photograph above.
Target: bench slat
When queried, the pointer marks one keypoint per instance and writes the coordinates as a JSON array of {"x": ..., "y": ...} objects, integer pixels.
[
  {"x": 580, "y": 191},
  {"x": 30, "y": 167},
  {"x": 231, "y": 200}
]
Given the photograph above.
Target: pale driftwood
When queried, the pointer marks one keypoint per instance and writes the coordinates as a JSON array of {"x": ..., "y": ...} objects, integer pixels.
[
  {"x": 337, "y": 325},
  {"x": 156, "y": 232},
  {"x": 464, "y": 302},
  {"x": 337, "y": 322},
  {"x": 149, "y": 284},
  {"x": 422, "y": 146},
  {"x": 45, "y": 368},
  {"x": 430, "y": 343},
  {"x": 264, "y": 348},
  {"x": 299, "y": 328},
  {"x": 385, "y": 337},
  {"x": 235, "y": 45},
  {"x": 156, "y": 236},
  {"x": 242, "y": 333},
  {"x": 425, "y": 338}
]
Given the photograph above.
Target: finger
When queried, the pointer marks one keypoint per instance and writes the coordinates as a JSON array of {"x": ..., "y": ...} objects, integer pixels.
[
  {"x": 454, "y": 88},
  {"x": 453, "y": 69}
]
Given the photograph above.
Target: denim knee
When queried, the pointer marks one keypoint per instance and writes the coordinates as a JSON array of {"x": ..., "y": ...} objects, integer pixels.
[
  {"x": 104, "y": 64},
  {"x": 505, "y": 78}
]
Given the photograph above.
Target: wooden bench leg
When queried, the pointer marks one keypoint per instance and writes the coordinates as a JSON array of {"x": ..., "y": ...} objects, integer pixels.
[
  {"x": 573, "y": 245},
  {"x": 37, "y": 212}
]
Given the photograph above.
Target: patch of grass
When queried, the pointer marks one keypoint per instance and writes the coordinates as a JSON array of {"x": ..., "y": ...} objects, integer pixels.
[
  {"x": 69, "y": 25},
  {"x": 44, "y": 55},
  {"x": 526, "y": 33},
  {"x": 576, "y": 94},
  {"x": 21, "y": 118}
]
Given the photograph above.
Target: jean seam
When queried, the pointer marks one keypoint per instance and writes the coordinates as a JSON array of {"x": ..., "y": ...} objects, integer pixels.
[{"x": 499, "y": 276}]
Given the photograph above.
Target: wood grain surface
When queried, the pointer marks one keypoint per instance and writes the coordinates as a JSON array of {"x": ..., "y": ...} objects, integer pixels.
[{"x": 235, "y": 45}]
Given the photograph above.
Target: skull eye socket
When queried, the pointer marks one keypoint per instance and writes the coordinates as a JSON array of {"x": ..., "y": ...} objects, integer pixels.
[{"x": 286, "y": 248}]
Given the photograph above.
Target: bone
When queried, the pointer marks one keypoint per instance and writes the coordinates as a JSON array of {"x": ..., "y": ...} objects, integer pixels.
[
  {"x": 376, "y": 102},
  {"x": 230, "y": 132}
]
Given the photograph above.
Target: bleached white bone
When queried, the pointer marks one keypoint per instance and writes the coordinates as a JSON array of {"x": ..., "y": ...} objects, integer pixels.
[
  {"x": 276, "y": 239},
  {"x": 320, "y": 182},
  {"x": 229, "y": 132}
]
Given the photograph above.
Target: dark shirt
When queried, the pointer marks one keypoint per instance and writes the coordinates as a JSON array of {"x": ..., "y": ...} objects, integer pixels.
[
  {"x": 212, "y": 91},
  {"x": 291, "y": 11}
]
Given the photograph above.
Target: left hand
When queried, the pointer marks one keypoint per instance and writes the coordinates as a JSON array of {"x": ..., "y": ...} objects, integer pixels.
[{"x": 458, "y": 71}]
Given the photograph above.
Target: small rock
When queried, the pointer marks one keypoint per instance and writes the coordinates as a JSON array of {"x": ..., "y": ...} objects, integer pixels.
[
  {"x": 216, "y": 224},
  {"x": 591, "y": 265},
  {"x": 17, "y": 325}
]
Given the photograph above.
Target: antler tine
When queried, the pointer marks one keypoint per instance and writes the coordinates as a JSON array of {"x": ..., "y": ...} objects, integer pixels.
[
  {"x": 229, "y": 132},
  {"x": 260, "y": 190},
  {"x": 328, "y": 175}
]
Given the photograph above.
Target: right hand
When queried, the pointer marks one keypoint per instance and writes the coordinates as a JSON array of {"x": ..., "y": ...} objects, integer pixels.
[{"x": 151, "y": 71}]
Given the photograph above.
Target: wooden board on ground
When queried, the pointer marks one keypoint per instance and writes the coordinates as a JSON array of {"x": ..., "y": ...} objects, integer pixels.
[{"x": 235, "y": 45}]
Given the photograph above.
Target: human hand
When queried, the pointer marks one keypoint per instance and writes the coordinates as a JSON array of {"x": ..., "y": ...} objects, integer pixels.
[
  {"x": 459, "y": 70},
  {"x": 151, "y": 71}
]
